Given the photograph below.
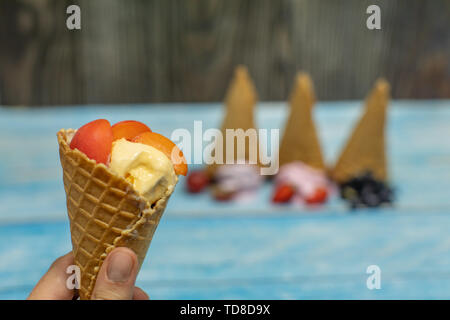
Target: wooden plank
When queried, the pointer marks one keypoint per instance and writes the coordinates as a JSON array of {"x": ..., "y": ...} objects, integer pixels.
[{"x": 157, "y": 51}]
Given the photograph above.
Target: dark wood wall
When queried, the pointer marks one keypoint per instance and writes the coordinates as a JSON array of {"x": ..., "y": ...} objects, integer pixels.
[{"x": 131, "y": 51}]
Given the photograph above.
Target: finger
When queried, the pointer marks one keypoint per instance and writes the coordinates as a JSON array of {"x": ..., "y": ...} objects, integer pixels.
[
  {"x": 116, "y": 278},
  {"x": 52, "y": 285},
  {"x": 140, "y": 294}
]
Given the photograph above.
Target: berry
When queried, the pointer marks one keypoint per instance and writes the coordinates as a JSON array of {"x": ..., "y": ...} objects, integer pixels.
[
  {"x": 283, "y": 193},
  {"x": 197, "y": 181},
  {"x": 366, "y": 191},
  {"x": 319, "y": 196}
]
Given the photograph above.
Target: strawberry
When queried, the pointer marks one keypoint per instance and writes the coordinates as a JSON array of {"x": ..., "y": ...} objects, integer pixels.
[
  {"x": 197, "y": 181},
  {"x": 319, "y": 196},
  {"x": 283, "y": 193}
]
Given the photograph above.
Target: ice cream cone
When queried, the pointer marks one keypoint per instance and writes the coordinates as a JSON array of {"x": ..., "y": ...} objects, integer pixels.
[
  {"x": 240, "y": 102},
  {"x": 105, "y": 212},
  {"x": 365, "y": 149},
  {"x": 300, "y": 141}
]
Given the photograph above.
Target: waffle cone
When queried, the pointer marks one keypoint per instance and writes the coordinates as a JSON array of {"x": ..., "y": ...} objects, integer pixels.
[
  {"x": 240, "y": 102},
  {"x": 300, "y": 141},
  {"x": 365, "y": 149},
  {"x": 105, "y": 212}
]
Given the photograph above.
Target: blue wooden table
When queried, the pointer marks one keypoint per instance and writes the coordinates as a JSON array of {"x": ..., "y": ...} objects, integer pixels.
[{"x": 253, "y": 250}]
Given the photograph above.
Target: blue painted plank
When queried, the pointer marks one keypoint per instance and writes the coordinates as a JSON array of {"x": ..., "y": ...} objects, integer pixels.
[
  {"x": 419, "y": 159},
  {"x": 203, "y": 249},
  {"x": 274, "y": 257}
]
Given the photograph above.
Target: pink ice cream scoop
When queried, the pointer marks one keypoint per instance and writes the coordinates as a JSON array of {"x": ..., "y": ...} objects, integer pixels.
[
  {"x": 241, "y": 180},
  {"x": 305, "y": 179}
]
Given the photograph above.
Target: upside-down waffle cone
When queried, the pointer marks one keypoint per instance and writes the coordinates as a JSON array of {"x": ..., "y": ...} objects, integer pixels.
[
  {"x": 300, "y": 141},
  {"x": 365, "y": 149},
  {"x": 105, "y": 212},
  {"x": 240, "y": 102}
]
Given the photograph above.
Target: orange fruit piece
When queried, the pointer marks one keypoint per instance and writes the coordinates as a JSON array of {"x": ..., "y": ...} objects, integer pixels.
[
  {"x": 167, "y": 147},
  {"x": 128, "y": 129}
]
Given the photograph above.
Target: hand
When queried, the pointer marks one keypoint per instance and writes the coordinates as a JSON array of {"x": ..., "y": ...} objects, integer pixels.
[{"x": 115, "y": 280}]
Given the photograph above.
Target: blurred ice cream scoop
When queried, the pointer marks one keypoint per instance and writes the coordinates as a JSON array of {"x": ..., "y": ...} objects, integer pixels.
[
  {"x": 310, "y": 184},
  {"x": 236, "y": 181}
]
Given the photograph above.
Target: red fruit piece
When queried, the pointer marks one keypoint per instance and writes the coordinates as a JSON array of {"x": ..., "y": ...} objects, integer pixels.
[
  {"x": 94, "y": 139},
  {"x": 128, "y": 129},
  {"x": 197, "y": 181},
  {"x": 283, "y": 193},
  {"x": 319, "y": 196}
]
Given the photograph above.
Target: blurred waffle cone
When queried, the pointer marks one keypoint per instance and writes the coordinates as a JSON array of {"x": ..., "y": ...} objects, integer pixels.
[
  {"x": 300, "y": 141},
  {"x": 240, "y": 102},
  {"x": 365, "y": 149},
  {"x": 105, "y": 212}
]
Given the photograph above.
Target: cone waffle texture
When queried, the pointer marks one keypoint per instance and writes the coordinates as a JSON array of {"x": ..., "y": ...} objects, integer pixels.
[
  {"x": 300, "y": 141},
  {"x": 105, "y": 212},
  {"x": 240, "y": 102},
  {"x": 365, "y": 149}
]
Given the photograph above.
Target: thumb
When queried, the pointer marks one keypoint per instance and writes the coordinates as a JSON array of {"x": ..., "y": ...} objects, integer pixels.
[{"x": 116, "y": 278}]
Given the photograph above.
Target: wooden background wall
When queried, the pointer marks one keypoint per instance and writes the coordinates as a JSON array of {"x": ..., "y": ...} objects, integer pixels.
[{"x": 131, "y": 51}]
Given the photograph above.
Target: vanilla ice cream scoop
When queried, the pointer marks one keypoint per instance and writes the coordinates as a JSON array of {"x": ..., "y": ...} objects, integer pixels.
[{"x": 149, "y": 170}]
